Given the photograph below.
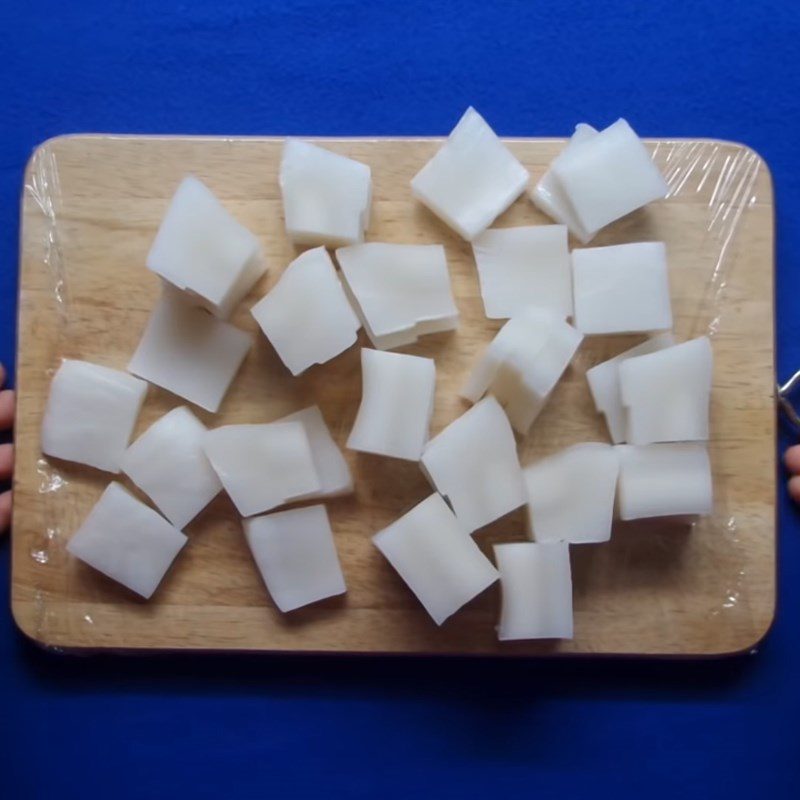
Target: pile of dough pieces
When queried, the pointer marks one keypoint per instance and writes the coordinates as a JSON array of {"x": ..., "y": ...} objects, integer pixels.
[{"x": 654, "y": 397}]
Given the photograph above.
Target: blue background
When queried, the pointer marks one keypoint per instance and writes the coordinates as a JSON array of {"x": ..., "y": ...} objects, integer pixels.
[{"x": 278, "y": 727}]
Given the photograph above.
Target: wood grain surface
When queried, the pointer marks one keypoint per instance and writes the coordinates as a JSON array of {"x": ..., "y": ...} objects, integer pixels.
[{"x": 91, "y": 206}]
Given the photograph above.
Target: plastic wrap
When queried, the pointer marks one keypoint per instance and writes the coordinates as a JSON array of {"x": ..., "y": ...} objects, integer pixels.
[{"x": 719, "y": 192}]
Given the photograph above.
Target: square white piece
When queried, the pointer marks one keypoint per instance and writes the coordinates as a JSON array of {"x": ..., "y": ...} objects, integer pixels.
[
  {"x": 306, "y": 316},
  {"x": 529, "y": 373},
  {"x": 296, "y": 556},
  {"x": 202, "y": 250},
  {"x": 604, "y": 384},
  {"x": 621, "y": 289},
  {"x": 127, "y": 541},
  {"x": 527, "y": 266},
  {"x": 472, "y": 179},
  {"x": 187, "y": 351},
  {"x": 549, "y": 196},
  {"x": 571, "y": 494},
  {"x": 396, "y": 404},
  {"x": 523, "y": 363},
  {"x": 473, "y": 463},
  {"x": 666, "y": 394},
  {"x": 326, "y": 196},
  {"x": 329, "y": 461},
  {"x": 262, "y": 466},
  {"x": 168, "y": 463},
  {"x": 609, "y": 175},
  {"x": 436, "y": 558},
  {"x": 536, "y": 588},
  {"x": 90, "y": 415},
  {"x": 401, "y": 291},
  {"x": 664, "y": 480}
]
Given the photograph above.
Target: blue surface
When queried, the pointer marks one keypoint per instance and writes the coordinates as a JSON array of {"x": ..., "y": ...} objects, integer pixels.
[{"x": 232, "y": 727}]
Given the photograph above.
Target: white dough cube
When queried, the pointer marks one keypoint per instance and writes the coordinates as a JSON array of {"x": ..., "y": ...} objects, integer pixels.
[
  {"x": 527, "y": 266},
  {"x": 401, "y": 291},
  {"x": 664, "y": 480},
  {"x": 666, "y": 394},
  {"x": 434, "y": 554},
  {"x": 523, "y": 363},
  {"x": 168, "y": 463},
  {"x": 262, "y": 466},
  {"x": 621, "y": 289},
  {"x": 521, "y": 338},
  {"x": 473, "y": 463},
  {"x": 202, "y": 250},
  {"x": 306, "y": 316},
  {"x": 549, "y": 196},
  {"x": 604, "y": 384},
  {"x": 127, "y": 541},
  {"x": 329, "y": 461},
  {"x": 90, "y": 415},
  {"x": 296, "y": 556},
  {"x": 528, "y": 377},
  {"x": 472, "y": 179},
  {"x": 608, "y": 176},
  {"x": 536, "y": 588},
  {"x": 326, "y": 196},
  {"x": 550, "y": 363},
  {"x": 571, "y": 494},
  {"x": 187, "y": 351},
  {"x": 396, "y": 404}
]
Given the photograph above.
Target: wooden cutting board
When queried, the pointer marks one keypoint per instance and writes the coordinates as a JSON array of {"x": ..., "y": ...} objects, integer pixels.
[{"x": 90, "y": 208}]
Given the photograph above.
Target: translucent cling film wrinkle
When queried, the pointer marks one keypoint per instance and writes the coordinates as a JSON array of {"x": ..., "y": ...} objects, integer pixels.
[
  {"x": 724, "y": 183},
  {"x": 51, "y": 479},
  {"x": 686, "y": 167},
  {"x": 736, "y": 586},
  {"x": 44, "y": 189}
]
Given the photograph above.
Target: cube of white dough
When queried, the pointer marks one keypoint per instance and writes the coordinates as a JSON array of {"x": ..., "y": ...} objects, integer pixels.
[
  {"x": 90, "y": 414},
  {"x": 571, "y": 494},
  {"x": 666, "y": 394},
  {"x": 609, "y": 175},
  {"x": 604, "y": 384},
  {"x": 396, "y": 404},
  {"x": 329, "y": 462},
  {"x": 536, "y": 589},
  {"x": 296, "y": 556},
  {"x": 523, "y": 363},
  {"x": 623, "y": 288},
  {"x": 168, "y": 463},
  {"x": 401, "y": 291},
  {"x": 473, "y": 462},
  {"x": 520, "y": 267},
  {"x": 435, "y": 556},
  {"x": 525, "y": 380},
  {"x": 127, "y": 541},
  {"x": 306, "y": 315},
  {"x": 326, "y": 197},
  {"x": 549, "y": 196},
  {"x": 262, "y": 466},
  {"x": 187, "y": 351},
  {"x": 472, "y": 179},
  {"x": 202, "y": 250},
  {"x": 664, "y": 480}
]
